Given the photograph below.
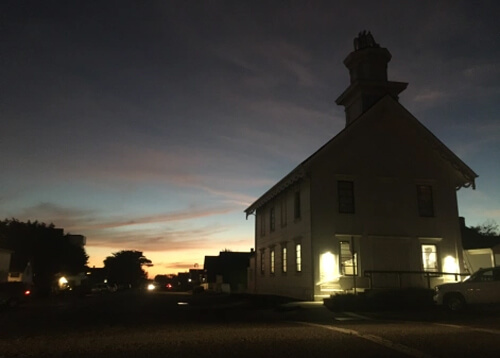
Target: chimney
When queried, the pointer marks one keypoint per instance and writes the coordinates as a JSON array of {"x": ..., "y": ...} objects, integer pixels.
[{"x": 367, "y": 66}]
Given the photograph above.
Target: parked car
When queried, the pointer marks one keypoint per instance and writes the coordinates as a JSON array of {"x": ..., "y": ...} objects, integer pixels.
[
  {"x": 13, "y": 293},
  {"x": 103, "y": 288},
  {"x": 482, "y": 287}
]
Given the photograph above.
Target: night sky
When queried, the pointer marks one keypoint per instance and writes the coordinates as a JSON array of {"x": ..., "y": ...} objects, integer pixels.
[{"x": 152, "y": 125}]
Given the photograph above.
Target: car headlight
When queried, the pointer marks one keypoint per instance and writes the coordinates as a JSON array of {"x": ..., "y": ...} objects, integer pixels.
[{"x": 151, "y": 287}]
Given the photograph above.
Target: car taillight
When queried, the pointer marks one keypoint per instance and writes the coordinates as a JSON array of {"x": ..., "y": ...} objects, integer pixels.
[{"x": 27, "y": 292}]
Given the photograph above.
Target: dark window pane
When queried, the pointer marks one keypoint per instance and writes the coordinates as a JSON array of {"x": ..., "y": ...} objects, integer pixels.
[
  {"x": 346, "y": 196},
  {"x": 425, "y": 201},
  {"x": 297, "y": 205},
  {"x": 272, "y": 219}
]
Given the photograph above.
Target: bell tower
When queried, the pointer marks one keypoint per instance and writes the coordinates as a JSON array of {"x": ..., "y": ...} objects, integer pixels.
[{"x": 367, "y": 66}]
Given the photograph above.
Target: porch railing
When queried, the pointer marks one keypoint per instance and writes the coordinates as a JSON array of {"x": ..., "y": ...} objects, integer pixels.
[{"x": 399, "y": 274}]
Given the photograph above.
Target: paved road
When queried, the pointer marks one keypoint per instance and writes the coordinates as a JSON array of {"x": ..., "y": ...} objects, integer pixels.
[{"x": 132, "y": 324}]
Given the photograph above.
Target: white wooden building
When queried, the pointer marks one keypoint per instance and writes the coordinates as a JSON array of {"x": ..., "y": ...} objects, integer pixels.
[{"x": 379, "y": 196}]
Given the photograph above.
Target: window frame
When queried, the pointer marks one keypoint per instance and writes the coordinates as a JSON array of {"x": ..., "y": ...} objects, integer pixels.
[
  {"x": 272, "y": 259},
  {"x": 298, "y": 257},
  {"x": 262, "y": 262},
  {"x": 346, "y": 199},
  {"x": 435, "y": 252},
  {"x": 283, "y": 214},
  {"x": 352, "y": 256},
  {"x": 425, "y": 201},
  {"x": 296, "y": 205},
  {"x": 284, "y": 263},
  {"x": 272, "y": 219},
  {"x": 262, "y": 224}
]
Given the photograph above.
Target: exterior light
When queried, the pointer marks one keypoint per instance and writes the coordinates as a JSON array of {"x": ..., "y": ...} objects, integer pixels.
[
  {"x": 327, "y": 267},
  {"x": 151, "y": 287},
  {"x": 450, "y": 264},
  {"x": 63, "y": 283}
]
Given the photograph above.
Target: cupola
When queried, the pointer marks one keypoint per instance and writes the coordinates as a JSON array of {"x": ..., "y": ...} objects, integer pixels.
[{"x": 367, "y": 66}]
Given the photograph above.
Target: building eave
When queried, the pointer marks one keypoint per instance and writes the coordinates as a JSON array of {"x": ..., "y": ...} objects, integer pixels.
[{"x": 290, "y": 179}]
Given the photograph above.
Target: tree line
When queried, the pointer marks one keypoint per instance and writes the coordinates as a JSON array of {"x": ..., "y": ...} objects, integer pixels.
[
  {"x": 46, "y": 248},
  {"x": 49, "y": 252}
]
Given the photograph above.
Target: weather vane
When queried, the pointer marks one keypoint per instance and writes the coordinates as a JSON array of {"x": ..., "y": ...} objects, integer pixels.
[{"x": 364, "y": 40}]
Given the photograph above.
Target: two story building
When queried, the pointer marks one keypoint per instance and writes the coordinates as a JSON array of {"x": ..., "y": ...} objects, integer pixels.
[{"x": 374, "y": 207}]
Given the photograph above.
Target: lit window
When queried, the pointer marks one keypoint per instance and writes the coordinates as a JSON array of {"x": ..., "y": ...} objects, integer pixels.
[
  {"x": 346, "y": 196},
  {"x": 296, "y": 212},
  {"x": 272, "y": 219},
  {"x": 262, "y": 262},
  {"x": 298, "y": 257},
  {"x": 348, "y": 260},
  {"x": 283, "y": 259},
  {"x": 283, "y": 213},
  {"x": 272, "y": 261},
  {"x": 425, "y": 201},
  {"x": 429, "y": 258}
]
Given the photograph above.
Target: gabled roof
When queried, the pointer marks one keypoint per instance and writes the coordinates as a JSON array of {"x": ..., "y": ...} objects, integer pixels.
[{"x": 300, "y": 171}]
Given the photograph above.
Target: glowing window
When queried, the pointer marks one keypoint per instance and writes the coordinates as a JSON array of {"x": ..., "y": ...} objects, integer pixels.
[
  {"x": 348, "y": 260},
  {"x": 429, "y": 258},
  {"x": 298, "y": 258},
  {"x": 283, "y": 259},
  {"x": 272, "y": 261}
]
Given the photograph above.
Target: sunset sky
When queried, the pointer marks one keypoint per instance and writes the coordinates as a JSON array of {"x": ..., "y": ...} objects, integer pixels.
[{"x": 152, "y": 125}]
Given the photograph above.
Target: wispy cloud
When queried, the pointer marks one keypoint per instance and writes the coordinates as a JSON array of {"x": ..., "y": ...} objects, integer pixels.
[
  {"x": 181, "y": 265},
  {"x": 62, "y": 216},
  {"x": 429, "y": 97},
  {"x": 131, "y": 229},
  {"x": 171, "y": 240},
  {"x": 177, "y": 216}
]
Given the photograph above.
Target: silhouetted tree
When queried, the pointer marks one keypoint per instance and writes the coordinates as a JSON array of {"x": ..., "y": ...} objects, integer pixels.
[
  {"x": 489, "y": 228},
  {"x": 125, "y": 267},
  {"x": 46, "y": 247}
]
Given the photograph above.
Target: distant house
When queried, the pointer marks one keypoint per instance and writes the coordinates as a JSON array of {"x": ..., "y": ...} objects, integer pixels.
[
  {"x": 227, "y": 272},
  {"x": 374, "y": 207},
  {"x": 4, "y": 264},
  {"x": 480, "y": 251}
]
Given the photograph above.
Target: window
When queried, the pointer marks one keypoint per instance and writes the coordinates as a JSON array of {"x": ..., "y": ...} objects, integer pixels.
[
  {"x": 346, "y": 196},
  {"x": 283, "y": 213},
  {"x": 296, "y": 202},
  {"x": 425, "y": 201},
  {"x": 283, "y": 259},
  {"x": 429, "y": 258},
  {"x": 272, "y": 261},
  {"x": 262, "y": 225},
  {"x": 272, "y": 219},
  {"x": 348, "y": 259},
  {"x": 298, "y": 257},
  {"x": 262, "y": 262}
]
